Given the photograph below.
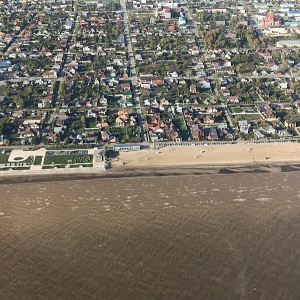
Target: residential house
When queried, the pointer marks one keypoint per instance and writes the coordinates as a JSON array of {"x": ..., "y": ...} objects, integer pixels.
[
  {"x": 243, "y": 22},
  {"x": 27, "y": 133},
  {"x": 267, "y": 111},
  {"x": 244, "y": 126},
  {"x": 167, "y": 13},
  {"x": 208, "y": 119},
  {"x": 61, "y": 116},
  {"x": 197, "y": 132},
  {"x": 155, "y": 80},
  {"x": 126, "y": 86},
  {"x": 283, "y": 133},
  {"x": 233, "y": 99},
  {"x": 193, "y": 89},
  {"x": 283, "y": 84},
  {"x": 264, "y": 92},
  {"x": 52, "y": 74},
  {"x": 225, "y": 91},
  {"x": 5, "y": 63},
  {"x": 58, "y": 129},
  {"x": 298, "y": 106},
  {"x": 267, "y": 129},
  {"x": 211, "y": 134},
  {"x": 205, "y": 83},
  {"x": 258, "y": 133},
  {"x": 290, "y": 123}
]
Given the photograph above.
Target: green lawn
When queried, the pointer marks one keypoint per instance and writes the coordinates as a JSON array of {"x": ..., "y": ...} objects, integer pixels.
[
  {"x": 252, "y": 117},
  {"x": 14, "y": 135},
  {"x": 67, "y": 159},
  {"x": 237, "y": 110},
  {"x": 86, "y": 68},
  {"x": 38, "y": 160},
  {"x": 90, "y": 122},
  {"x": 127, "y": 133},
  {"x": 4, "y": 157}
]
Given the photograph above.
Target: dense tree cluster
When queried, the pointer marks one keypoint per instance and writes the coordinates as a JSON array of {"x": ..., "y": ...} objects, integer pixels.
[{"x": 214, "y": 38}]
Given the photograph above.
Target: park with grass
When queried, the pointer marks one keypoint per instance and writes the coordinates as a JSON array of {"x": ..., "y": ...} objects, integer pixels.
[
  {"x": 68, "y": 157},
  {"x": 42, "y": 159},
  {"x": 17, "y": 161}
]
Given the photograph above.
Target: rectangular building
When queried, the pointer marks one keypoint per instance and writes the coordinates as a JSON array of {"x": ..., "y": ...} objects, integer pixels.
[{"x": 126, "y": 147}]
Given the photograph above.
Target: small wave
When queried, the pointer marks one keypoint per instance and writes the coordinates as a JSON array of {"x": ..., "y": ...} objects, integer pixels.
[
  {"x": 264, "y": 199},
  {"x": 240, "y": 200}
]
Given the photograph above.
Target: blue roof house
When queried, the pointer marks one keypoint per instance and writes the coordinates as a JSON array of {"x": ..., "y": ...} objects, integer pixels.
[
  {"x": 69, "y": 25},
  {"x": 5, "y": 63},
  {"x": 121, "y": 40}
]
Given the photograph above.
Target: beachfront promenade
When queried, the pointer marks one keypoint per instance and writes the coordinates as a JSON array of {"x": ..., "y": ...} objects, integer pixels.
[{"x": 219, "y": 143}]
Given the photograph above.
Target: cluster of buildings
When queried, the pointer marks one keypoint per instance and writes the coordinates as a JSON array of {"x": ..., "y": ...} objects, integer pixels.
[{"x": 69, "y": 63}]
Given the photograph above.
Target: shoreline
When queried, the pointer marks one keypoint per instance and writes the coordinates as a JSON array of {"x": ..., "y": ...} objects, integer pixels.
[{"x": 139, "y": 172}]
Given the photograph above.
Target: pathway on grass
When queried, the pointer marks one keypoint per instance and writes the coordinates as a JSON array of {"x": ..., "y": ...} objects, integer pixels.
[
  {"x": 25, "y": 154},
  {"x": 15, "y": 153}
]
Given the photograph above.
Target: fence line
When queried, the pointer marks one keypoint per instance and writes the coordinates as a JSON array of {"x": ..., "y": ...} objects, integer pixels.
[{"x": 216, "y": 143}]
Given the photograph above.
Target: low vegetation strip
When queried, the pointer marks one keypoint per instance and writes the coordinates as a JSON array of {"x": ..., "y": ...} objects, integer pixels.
[{"x": 64, "y": 166}]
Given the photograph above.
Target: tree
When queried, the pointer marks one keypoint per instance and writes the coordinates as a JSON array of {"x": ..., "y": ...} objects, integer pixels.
[
  {"x": 19, "y": 102},
  {"x": 283, "y": 67},
  {"x": 61, "y": 90}
]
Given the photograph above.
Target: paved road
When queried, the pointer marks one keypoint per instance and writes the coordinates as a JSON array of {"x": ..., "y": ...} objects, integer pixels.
[
  {"x": 189, "y": 17},
  {"x": 134, "y": 78}
]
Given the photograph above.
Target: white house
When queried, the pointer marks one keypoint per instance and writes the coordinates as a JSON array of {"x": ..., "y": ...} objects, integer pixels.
[
  {"x": 283, "y": 84},
  {"x": 244, "y": 126}
]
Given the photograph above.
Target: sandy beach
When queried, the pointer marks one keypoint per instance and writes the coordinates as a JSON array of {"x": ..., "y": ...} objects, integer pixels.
[
  {"x": 205, "y": 156},
  {"x": 177, "y": 160}
]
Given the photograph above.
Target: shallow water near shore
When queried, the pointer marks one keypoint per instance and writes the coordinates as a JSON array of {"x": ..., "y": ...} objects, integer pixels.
[{"x": 211, "y": 236}]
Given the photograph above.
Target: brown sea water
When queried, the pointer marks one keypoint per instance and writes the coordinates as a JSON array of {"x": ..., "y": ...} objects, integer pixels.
[{"x": 234, "y": 236}]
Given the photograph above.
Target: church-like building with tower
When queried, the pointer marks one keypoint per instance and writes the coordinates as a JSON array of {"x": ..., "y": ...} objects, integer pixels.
[{"x": 270, "y": 20}]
